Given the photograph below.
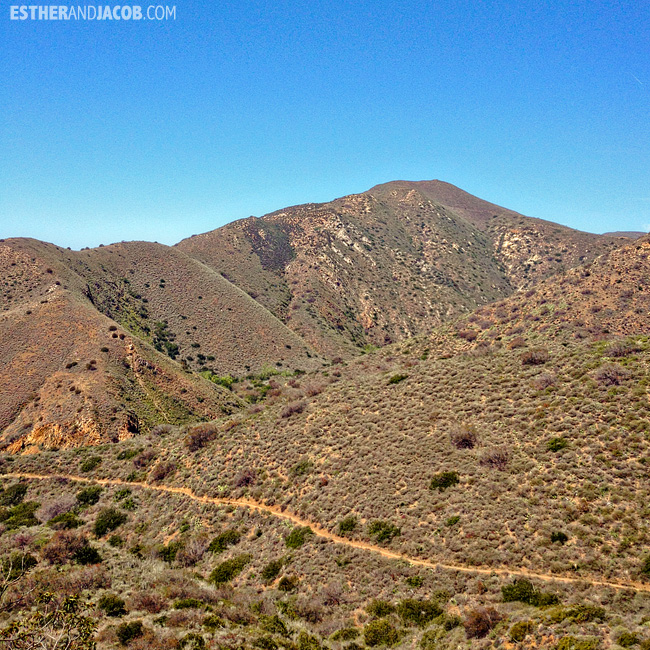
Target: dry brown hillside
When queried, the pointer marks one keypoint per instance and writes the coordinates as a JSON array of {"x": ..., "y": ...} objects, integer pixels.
[{"x": 395, "y": 261}]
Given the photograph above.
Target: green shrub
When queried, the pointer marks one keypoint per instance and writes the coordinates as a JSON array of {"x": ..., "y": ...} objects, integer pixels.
[
  {"x": 20, "y": 515},
  {"x": 222, "y": 541},
  {"x": 16, "y": 566},
  {"x": 414, "y": 581},
  {"x": 308, "y": 642},
  {"x": 271, "y": 571},
  {"x": 116, "y": 541},
  {"x": 288, "y": 583},
  {"x": 13, "y": 495},
  {"x": 452, "y": 521},
  {"x": 579, "y": 614},
  {"x": 519, "y": 631},
  {"x": 348, "y": 525},
  {"x": 380, "y": 632},
  {"x": 87, "y": 554},
  {"x": 523, "y": 591},
  {"x": 626, "y": 639},
  {"x": 128, "y": 454},
  {"x": 298, "y": 536},
  {"x": 89, "y": 496},
  {"x": 168, "y": 552},
  {"x": 559, "y": 537},
  {"x": 557, "y": 444},
  {"x": 380, "y": 608},
  {"x": 65, "y": 521},
  {"x": 122, "y": 494},
  {"x": 418, "y": 612},
  {"x": 107, "y": 520},
  {"x": 192, "y": 641},
  {"x": 645, "y": 567},
  {"x": 127, "y": 632},
  {"x": 229, "y": 569},
  {"x": 213, "y": 622},
  {"x": 274, "y": 625},
  {"x": 444, "y": 480},
  {"x": 395, "y": 379},
  {"x": 346, "y": 634},
  {"x": 573, "y": 643},
  {"x": 89, "y": 464},
  {"x": 188, "y": 603},
  {"x": 112, "y": 605},
  {"x": 383, "y": 531}
]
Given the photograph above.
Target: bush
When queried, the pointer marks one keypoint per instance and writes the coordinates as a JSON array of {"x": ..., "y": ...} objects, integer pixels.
[
  {"x": 168, "y": 553},
  {"x": 87, "y": 554},
  {"x": 288, "y": 583},
  {"x": 107, "y": 520},
  {"x": 162, "y": 471},
  {"x": 347, "y": 525},
  {"x": 559, "y": 537},
  {"x": 380, "y": 608},
  {"x": 414, "y": 581},
  {"x": 221, "y": 542},
  {"x": 20, "y": 515},
  {"x": 523, "y": 591},
  {"x": 200, "y": 435},
  {"x": 13, "y": 495},
  {"x": 443, "y": 480},
  {"x": 573, "y": 643},
  {"x": 464, "y": 436},
  {"x": 519, "y": 631},
  {"x": 298, "y": 536},
  {"x": 611, "y": 374},
  {"x": 497, "y": 458},
  {"x": 626, "y": 639},
  {"x": 112, "y": 605},
  {"x": 418, "y": 612},
  {"x": 480, "y": 621},
  {"x": 89, "y": 464},
  {"x": 229, "y": 569},
  {"x": 380, "y": 632},
  {"x": 383, "y": 531},
  {"x": 308, "y": 642},
  {"x": 188, "y": 603},
  {"x": 396, "y": 379},
  {"x": 89, "y": 496},
  {"x": 293, "y": 408},
  {"x": 15, "y": 566},
  {"x": 557, "y": 444},
  {"x": 65, "y": 521},
  {"x": 127, "y": 632},
  {"x": 535, "y": 357},
  {"x": 345, "y": 634},
  {"x": 579, "y": 614},
  {"x": 271, "y": 571},
  {"x": 274, "y": 625},
  {"x": 213, "y": 622}
]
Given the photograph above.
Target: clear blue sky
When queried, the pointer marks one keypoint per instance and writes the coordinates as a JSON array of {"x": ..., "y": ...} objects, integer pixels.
[{"x": 158, "y": 130}]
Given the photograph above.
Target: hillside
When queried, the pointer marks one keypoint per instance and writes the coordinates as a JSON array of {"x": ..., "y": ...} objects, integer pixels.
[
  {"x": 480, "y": 486},
  {"x": 390, "y": 263}
]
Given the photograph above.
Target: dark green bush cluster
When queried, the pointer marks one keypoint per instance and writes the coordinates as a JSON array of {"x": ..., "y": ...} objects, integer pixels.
[
  {"x": 221, "y": 542},
  {"x": 288, "y": 583},
  {"x": 579, "y": 614},
  {"x": 519, "y": 631},
  {"x": 414, "y": 581},
  {"x": 169, "y": 552},
  {"x": 574, "y": 643},
  {"x": 274, "y": 625},
  {"x": 86, "y": 554},
  {"x": 418, "y": 612},
  {"x": 380, "y": 608},
  {"x": 523, "y": 591},
  {"x": 271, "y": 571},
  {"x": 20, "y": 515},
  {"x": 347, "y": 525},
  {"x": 89, "y": 496},
  {"x": 444, "y": 480},
  {"x": 346, "y": 634},
  {"x": 65, "y": 521},
  {"x": 89, "y": 464},
  {"x": 107, "y": 520},
  {"x": 383, "y": 531},
  {"x": 17, "y": 565},
  {"x": 13, "y": 495},
  {"x": 298, "y": 536},
  {"x": 127, "y": 632},
  {"x": 188, "y": 603},
  {"x": 229, "y": 569},
  {"x": 557, "y": 444},
  {"x": 395, "y": 379},
  {"x": 380, "y": 632},
  {"x": 112, "y": 605},
  {"x": 559, "y": 537}
]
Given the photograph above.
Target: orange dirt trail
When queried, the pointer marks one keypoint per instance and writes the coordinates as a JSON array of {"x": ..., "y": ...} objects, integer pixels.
[{"x": 337, "y": 539}]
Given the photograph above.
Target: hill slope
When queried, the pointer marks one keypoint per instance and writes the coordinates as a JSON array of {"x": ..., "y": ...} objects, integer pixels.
[{"x": 390, "y": 263}]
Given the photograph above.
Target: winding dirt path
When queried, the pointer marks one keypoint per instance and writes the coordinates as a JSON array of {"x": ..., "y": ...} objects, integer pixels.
[{"x": 337, "y": 539}]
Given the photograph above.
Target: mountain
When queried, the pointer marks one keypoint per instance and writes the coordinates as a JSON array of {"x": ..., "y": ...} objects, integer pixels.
[
  {"x": 103, "y": 344},
  {"x": 390, "y": 263}
]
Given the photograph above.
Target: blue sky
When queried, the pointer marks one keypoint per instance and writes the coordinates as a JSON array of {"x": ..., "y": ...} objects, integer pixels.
[{"x": 158, "y": 130}]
